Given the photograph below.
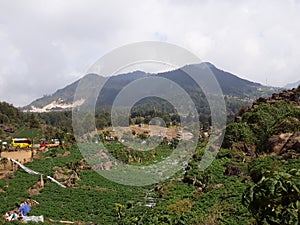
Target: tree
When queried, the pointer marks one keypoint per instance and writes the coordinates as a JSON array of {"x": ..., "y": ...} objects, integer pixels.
[
  {"x": 275, "y": 199},
  {"x": 60, "y": 135},
  {"x": 238, "y": 132},
  {"x": 4, "y": 119},
  {"x": 174, "y": 143},
  {"x": 4, "y": 162}
]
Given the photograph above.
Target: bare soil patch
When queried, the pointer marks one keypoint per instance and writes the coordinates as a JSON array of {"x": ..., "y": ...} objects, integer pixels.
[{"x": 22, "y": 156}]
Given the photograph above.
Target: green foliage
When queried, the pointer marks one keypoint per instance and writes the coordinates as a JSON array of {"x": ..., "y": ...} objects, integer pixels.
[
  {"x": 190, "y": 196},
  {"x": 286, "y": 125},
  {"x": 174, "y": 143},
  {"x": 132, "y": 156},
  {"x": 260, "y": 165},
  {"x": 21, "y": 124},
  {"x": 62, "y": 119},
  {"x": 24, "y": 131},
  {"x": 275, "y": 199},
  {"x": 4, "y": 119},
  {"x": 16, "y": 192},
  {"x": 181, "y": 207},
  {"x": 260, "y": 123},
  {"x": 4, "y": 162},
  {"x": 92, "y": 199},
  {"x": 238, "y": 132},
  {"x": 9, "y": 114},
  {"x": 2, "y": 184},
  {"x": 95, "y": 198},
  {"x": 102, "y": 120}
]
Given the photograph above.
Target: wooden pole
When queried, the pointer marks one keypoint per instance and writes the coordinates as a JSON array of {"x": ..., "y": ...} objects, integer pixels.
[{"x": 42, "y": 181}]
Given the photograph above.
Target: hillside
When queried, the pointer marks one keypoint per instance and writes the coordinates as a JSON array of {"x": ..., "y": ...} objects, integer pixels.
[
  {"x": 12, "y": 120},
  {"x": 62, "y": 98},
  {"x": 237, "y": 90},
  {"x": 270, "y": 125},
  {"x": 17, "y": 124},
  {"x": 253, "y": 180}
]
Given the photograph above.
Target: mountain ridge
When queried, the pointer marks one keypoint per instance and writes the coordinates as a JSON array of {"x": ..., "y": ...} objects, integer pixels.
[
  {"x": 231, "y": 85},
  {"x": 292, "y": 85}
]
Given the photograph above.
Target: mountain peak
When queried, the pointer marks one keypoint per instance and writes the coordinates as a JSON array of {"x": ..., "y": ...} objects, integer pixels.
[
  {"x": 208, "y": 64},
  {"x": 202, "y": 65},
  {"x": 230, "y": 84}
]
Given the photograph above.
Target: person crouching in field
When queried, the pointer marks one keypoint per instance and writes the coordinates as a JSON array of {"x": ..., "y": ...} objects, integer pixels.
[
  {"x": 13, "y": 216},
  {"x": 7, "y": 216}
]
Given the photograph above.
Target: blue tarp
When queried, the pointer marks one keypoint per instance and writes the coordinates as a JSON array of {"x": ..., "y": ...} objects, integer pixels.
[{"x": 25, "y": 209}]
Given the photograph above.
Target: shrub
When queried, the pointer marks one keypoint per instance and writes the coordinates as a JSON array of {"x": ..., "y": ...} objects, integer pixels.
[
  {"x": 238, "y": 132},
  {"x": 181, "y": 207},
  {"x": 275, "y": 199}
]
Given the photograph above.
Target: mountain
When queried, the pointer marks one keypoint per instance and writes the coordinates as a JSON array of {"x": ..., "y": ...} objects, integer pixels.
[
  {"x": 233, "y": 87},
  {"x": 292, "y": 85},
  {"x": 61, "y": 99}
]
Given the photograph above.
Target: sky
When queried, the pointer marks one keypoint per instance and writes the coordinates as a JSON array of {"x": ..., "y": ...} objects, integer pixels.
[{"x": 45, "y": 45}]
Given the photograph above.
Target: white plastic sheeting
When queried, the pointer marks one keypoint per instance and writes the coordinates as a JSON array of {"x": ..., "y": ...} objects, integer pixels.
[
  {"x": 27, "y": 170},
  {"x": 30, "y": 171},
  {"x": 33, "y": 219},
  {"x": 55, "y": 181}
]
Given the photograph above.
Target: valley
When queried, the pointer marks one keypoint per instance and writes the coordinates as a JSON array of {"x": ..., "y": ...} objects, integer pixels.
[{"x": 261, "y": 145}]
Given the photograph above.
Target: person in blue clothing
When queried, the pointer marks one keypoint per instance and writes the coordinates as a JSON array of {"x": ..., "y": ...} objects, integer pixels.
[{"x": 24, "y": 209}]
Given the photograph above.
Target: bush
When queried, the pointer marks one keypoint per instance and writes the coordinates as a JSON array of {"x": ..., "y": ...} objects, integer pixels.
[
  {"x": 286, "y": 125},
  {"x": 275, "y": 199},
  {"x": 238, "y": 132},
  {"x": 181, "y": 207},
  {"x": 260, "y": 165}
]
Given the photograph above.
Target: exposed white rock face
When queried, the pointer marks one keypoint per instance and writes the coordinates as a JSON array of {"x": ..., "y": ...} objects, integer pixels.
[{"x": 59, "y": 104}]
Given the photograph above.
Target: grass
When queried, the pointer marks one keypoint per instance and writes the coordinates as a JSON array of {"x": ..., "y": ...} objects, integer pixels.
[{"x": 32, "y": 133}]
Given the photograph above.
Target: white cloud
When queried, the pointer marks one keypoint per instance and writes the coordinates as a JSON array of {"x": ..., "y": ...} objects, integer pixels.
[{"x": 48, "y": 44}]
